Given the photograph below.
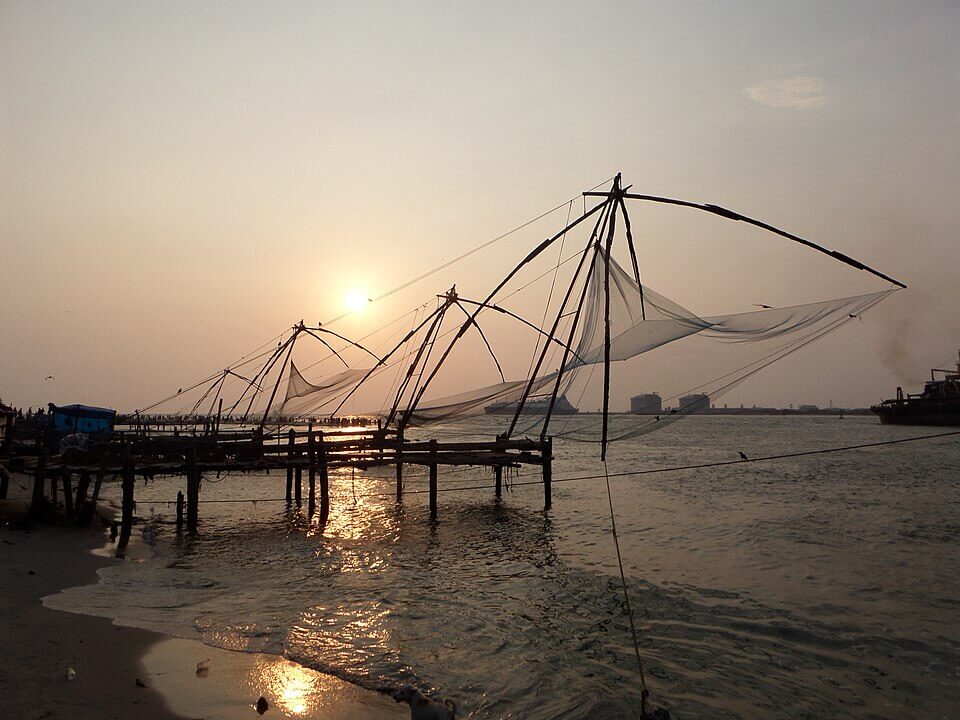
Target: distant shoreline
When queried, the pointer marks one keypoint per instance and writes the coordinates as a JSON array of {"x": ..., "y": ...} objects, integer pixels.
[{"x": 830, "y": 412}]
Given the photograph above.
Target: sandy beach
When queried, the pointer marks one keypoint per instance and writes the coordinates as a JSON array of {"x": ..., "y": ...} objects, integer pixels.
[
  {"x": 123, "y": 672},
  {"x": 39, "y": 644}
]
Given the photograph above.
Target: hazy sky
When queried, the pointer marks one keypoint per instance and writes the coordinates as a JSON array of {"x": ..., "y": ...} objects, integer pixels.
[{"x": 180, "y": 181}]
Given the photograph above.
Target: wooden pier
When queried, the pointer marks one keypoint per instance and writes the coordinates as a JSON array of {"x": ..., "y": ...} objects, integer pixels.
[{"x": 134, "y": 454}]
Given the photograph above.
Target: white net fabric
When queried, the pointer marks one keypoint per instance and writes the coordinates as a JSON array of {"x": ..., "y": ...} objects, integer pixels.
[
  {"x": 637, "y": 330},
  {"x": 303, "y": 396}
]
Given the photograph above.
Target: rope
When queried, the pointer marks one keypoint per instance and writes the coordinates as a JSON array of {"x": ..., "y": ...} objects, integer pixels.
[
  {"x": 466, "y": 254},
  {"x": 644, "y": 693},
  {"x": 628, "y": 473}
]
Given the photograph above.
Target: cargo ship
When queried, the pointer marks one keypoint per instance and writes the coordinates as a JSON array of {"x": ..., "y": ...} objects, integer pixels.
[
  {"x": 533, "y": 406},
  {"x": 938, "y": 404}
]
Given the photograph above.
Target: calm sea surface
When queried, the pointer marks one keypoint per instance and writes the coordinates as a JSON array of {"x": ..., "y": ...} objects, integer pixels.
[{"x": 824, "y": 587}]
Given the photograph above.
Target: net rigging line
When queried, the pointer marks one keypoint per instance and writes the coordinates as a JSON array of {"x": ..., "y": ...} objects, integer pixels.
[
  {"x": 468, "y": 253},
  {"x": 626, "y": 473}
]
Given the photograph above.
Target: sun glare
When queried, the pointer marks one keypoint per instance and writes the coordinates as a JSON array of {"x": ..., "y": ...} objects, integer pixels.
[{"x": 355, "y": 300}]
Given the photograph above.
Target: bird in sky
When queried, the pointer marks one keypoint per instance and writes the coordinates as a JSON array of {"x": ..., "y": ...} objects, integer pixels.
[{"x": 743, "y": 457}]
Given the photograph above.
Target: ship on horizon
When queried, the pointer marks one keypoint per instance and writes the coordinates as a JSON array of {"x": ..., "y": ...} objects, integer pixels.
[{"x": 938, "y": 404}]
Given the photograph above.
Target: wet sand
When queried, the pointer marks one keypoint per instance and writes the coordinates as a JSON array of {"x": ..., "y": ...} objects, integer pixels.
[{"x": 38, "y": 644}]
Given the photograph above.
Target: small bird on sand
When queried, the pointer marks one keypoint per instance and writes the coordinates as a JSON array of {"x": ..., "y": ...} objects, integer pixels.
[
  {"x": 49, "y": 377},
  {"x": 743, "y": 457},
  {"x": 855, "y": 316},
  {"x": 179, "y": 390}
]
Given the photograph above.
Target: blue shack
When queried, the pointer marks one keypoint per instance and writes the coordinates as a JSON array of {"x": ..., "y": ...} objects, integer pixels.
[{"x": 81, "y": 418}]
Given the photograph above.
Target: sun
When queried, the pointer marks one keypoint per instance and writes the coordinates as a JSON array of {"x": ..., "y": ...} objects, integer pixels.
[{"x": 355, "y": 300}]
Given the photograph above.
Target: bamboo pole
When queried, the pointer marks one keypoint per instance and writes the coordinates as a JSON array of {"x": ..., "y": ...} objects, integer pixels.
[{"x": 606, "y": 326}]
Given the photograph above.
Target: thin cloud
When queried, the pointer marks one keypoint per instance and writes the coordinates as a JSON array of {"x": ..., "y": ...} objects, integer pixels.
[{"x": 800, "y": 92}]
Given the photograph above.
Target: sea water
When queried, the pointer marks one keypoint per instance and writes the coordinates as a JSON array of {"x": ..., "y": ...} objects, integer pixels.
[{"x": 822, "y": 586}]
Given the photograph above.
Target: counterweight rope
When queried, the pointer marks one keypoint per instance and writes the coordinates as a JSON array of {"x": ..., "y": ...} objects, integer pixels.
[{"x": 644, "y": 693}]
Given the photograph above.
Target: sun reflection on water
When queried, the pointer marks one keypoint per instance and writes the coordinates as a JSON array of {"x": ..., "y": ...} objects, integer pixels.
[{"x": 294, "y": 690}]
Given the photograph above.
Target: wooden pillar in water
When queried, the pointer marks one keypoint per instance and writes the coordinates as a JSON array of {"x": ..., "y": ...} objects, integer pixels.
[
  {"x": 193, "y": 491},
  {"x": 95, "y": 495},
  {"x": 67, "y": 494},
  {"x": 290, "y": 442},
  {"x": 399, "y": 460},
  {"x": 324, "y": 482},
  {"x": 547, "y": 455},
  {"x": 433, "y": 478},
  {"x": 298, "y": 484},
  {"x": 83, "y": 485},
  {"x": 39, "y": 479},
  {"x": 179, "y": 509},
  {"x": 312, "y": 472},
  {"x": 498, "y": 471},
  {"x": 128, "y": 483},
  {"x": 380, "y": 438}
]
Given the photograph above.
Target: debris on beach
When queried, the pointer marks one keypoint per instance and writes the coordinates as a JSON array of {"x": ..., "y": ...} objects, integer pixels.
[
  {"x": 140, "y": 683},
  {"x": 262, "y": 705},
  {"x": 71, "y": 674},
  {"x": 203, "y": 668}
]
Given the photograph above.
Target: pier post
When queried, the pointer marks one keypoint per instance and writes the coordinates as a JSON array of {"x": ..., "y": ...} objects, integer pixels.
[
  {"x": 298, "y": 484},
  {"x": 83, "y": 484},
  {"x": 433, "y": 478},
  {"x": 324, "y": 483},
  {"x": 290, "y": 442},
  {"x": 498, "y": 471},
  {"x": 4, "y": 482},
  {"x": 193, "y": 491},
  {"x": 380, "y": 438},
  {"x": 39, "y": 479},
  {"x": 179, "y": 509},
  {"x": 258, "y": 443},
  {"x": 398, "y": 457},
  {"x": 547, "y": 456},
  {"x": 312, "y": 474},
  {"x": 95, "y": 495},
  {"x": 67, "y": 494},
  {"x": 127, "y": 484}
]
